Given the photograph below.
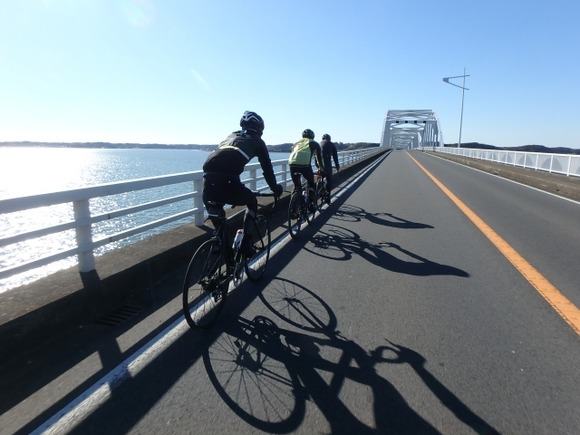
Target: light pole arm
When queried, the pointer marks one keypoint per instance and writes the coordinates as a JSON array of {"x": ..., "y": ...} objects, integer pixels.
[
  {"x": 463, "y": 89},
  {"x": 446, "y": 80}
]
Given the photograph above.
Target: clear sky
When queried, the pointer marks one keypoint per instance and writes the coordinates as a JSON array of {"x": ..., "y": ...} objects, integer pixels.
[{"x": 183, "y": 71}]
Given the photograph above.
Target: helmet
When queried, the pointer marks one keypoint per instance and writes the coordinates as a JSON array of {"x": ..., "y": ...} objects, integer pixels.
[
  {"x": 308, "y": 133},
  {"x": 326, "y": 136},
  {"x": 252, "y": 121}
]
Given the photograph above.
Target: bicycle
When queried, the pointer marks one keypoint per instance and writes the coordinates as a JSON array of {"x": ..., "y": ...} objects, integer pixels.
[
  {"x": 299, "y": 210},
  {"x": 322, "y": 195},
  {"x": 219, "y": 264}
]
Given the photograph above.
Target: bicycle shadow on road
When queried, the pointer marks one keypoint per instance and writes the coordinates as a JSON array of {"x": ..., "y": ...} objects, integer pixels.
[
  {"x": 340, "y": 243},
  {"x": 272, "y": 376},
  {"x": 351, "y": 213}
]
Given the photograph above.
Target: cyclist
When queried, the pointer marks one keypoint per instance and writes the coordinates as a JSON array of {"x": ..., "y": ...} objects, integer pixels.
[
  {"x": 329, "y": 153},
  {"x": 223, "y": 168},
  {"x": 300, "y": 162}
]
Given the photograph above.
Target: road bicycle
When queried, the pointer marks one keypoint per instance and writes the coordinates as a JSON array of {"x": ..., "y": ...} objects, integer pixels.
[
  {"x": 322, "y": 195},
  {"x": 219, "y": 264},
  {"x": 299, "y": 209}
]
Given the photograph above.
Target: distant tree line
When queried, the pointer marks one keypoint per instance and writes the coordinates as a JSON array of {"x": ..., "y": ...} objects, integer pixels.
[
  {"x": 286, "y": 147},
  {"x": 282, "y": 148}
]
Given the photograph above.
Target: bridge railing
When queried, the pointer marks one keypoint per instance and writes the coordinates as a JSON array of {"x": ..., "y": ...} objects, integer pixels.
[
  {"x": 566, "y": 164},
  {"x": 85, "y": 222}
]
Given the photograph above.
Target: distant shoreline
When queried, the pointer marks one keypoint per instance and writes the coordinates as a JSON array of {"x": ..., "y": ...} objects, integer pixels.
[
  {"x": 105, "y": 145},
  {"x": 287, "y": 147}
]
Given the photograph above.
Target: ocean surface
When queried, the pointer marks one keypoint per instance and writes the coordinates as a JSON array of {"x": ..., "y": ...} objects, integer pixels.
[{"x": 35, "y": 170}]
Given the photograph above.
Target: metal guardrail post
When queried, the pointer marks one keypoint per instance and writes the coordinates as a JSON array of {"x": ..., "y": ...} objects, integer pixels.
[
  {"x": 84, "y": 236},
  {"x": 198, "y": 217},
  {"x": 253, "y": 181},
  {"x": 285, "y": 167}
]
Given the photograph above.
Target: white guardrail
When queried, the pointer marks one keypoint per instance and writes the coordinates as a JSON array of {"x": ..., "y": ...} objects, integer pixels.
[
  {"x": 567, "y": 164},
  {"x": 82, "y": 222}
]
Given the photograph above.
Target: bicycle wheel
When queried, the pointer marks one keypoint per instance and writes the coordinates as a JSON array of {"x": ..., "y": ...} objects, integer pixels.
[
  {"x": 319, "y": 194},
  {"x": 206, "y": 286},
  {"x": 260, "y": 237},
  {"x": 295, "y": 216},
  {"x": 311, "y": 209}
]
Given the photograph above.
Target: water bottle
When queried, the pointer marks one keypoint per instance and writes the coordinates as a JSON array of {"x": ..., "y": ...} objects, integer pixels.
[
  {"x": 238, "y": 239},
  {"x": 305, "y": 196}
]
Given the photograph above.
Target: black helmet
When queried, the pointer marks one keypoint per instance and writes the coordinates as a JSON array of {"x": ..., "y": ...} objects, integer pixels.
[
  {"x": 326, "y": 136},
  {"x": 252, "y": 121},
  {"x": 308, "y": 133}
]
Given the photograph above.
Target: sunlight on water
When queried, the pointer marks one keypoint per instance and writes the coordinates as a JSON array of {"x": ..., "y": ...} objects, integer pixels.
[{"x": 29, "y": 171}]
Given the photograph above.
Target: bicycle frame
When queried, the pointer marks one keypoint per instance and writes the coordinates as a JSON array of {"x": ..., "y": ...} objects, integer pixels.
[
  {"x": 222, "y": 234},
  {"x": 216, "y": 266}
]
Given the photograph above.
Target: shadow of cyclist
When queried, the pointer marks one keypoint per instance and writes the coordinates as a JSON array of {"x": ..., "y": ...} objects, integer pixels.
[
  {"x": 446, "y": 396},
  {"x": 282, "y": 371},
  {"x": 338, "y": 243},
  {"x": 348, "y": 212}
]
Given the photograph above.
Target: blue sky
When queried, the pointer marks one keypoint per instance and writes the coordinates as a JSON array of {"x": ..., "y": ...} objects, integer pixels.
[{"x": 183, "y": 71}]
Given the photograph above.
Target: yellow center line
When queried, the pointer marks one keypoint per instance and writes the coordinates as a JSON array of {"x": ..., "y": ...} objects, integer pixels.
[{"x": 563, "y": 306}]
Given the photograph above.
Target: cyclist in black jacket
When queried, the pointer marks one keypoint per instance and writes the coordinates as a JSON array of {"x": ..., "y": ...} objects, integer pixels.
[
  {"x": 224, "y": 165},
  {"x": 329, "y": 152}
]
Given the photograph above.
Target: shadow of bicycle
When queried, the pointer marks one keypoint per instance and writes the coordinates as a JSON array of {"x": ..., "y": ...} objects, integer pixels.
[{"x": 271, "y": 376}]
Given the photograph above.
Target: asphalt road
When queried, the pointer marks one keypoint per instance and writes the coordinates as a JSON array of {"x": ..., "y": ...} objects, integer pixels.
[{"x": 393, "y": 313}]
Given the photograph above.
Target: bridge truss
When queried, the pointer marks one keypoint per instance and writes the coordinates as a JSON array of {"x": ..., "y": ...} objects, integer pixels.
[{"x": 406, "y": 129}]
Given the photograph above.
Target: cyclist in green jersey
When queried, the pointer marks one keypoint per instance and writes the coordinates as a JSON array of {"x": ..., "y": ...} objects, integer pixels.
[{"x": 300, "y": 162}]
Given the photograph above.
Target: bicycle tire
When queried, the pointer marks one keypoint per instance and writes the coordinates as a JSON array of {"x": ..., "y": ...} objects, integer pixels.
[
  {"x": 311, "y": 211},
  {"x": 321, "y": 194},
  {"x": 255, "y": 266},
  {"x": 205, "y": 287},
  {"x": 295, "y": 216}
]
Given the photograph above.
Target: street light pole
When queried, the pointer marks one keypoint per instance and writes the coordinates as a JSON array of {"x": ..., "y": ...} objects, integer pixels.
[{"x": 463, "y": 89}]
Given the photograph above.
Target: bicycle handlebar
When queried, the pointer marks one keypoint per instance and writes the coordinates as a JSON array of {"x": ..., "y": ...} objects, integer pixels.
[{"x": 264, "y": 194}]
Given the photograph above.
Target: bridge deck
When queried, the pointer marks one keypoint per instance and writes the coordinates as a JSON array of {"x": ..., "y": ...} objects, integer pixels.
[{"x": 401, "y": 303}]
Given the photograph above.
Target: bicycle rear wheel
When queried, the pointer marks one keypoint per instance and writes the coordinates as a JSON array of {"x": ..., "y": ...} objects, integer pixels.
[
  {"x": 206, "y": 284},
  {"x": 295, "y": 215},
  {"x": 260, "y": 237},
  {"x": 311, "y": 208}
]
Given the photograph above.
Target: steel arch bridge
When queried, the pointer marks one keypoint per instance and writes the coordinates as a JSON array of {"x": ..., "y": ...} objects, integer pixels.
[{"x": 406, "y": 129}]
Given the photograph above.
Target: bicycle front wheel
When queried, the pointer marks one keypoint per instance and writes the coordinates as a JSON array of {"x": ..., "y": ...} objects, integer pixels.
[
  {"x": 206, "y": 286},
  {"x": 295, "y": 216},
  {"x": 260, "y": 238}
]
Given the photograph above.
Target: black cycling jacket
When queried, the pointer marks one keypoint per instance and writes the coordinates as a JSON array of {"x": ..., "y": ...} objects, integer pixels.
[
  {"x": 232, "y": 155},
  {"x": 329, "y": 152}
]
